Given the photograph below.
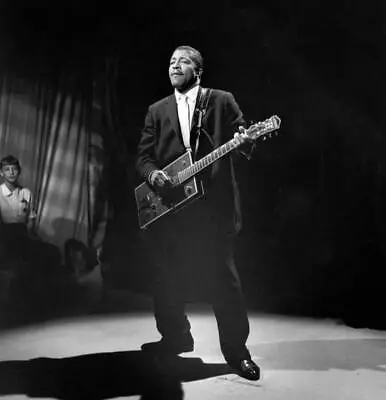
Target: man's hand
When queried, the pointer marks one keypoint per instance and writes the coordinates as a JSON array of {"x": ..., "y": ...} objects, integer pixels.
[
  {"x": 245, "y": 141},
  {"x": 159, "y": 178},
  {"x": 242, "y": 136}
]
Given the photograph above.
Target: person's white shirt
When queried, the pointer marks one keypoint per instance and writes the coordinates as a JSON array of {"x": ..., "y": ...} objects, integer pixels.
[
  {"x": 16, "y": 205},
  {"x": 186, "y": 124}
]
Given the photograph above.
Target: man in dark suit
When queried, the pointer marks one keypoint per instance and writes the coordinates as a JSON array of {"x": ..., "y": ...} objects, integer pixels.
[{"x": 192, "y": 249}]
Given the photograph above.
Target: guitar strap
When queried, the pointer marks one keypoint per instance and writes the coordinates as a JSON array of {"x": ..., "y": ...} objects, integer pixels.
[{"x": 202, "y": 104}]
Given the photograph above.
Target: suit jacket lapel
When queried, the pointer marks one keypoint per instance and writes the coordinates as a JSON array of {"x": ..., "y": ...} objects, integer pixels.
[{"x": 194, "y": 119}]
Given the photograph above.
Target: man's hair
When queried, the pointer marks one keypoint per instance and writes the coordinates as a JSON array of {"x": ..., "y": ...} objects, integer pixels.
[
  {"x": 10, "y": 160},
  {"x": 195, "y": 55}
]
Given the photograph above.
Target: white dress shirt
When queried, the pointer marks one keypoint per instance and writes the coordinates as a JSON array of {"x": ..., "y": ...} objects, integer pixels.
[
  {"x": 186, "y": 104},
  {"x": 16, "y": 205}
]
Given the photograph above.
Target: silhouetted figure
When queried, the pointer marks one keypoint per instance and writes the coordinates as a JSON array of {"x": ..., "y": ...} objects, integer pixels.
[{"x": 84, "y": 270}]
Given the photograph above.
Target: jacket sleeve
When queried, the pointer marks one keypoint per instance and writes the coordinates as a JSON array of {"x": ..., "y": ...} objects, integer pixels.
[
  {"x": 234, "y": 114},
  {"x": 145, "y": 162},
  {"x": 236, "y": 119}
]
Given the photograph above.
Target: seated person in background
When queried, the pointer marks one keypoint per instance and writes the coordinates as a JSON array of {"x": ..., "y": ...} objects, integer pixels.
[{"x": 16, "y": 212}]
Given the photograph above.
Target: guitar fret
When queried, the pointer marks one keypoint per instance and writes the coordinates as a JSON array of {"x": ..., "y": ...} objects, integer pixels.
[{"x": 206, "y": 161}]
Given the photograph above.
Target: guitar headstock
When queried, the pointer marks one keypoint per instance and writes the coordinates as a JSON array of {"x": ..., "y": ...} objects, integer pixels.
[{"x": 264, "y": 128}]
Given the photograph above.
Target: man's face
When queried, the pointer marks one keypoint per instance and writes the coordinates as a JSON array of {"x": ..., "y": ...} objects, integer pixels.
[
  {"x": 182, "y": 71},
  {"x": 10, "y": 173}
]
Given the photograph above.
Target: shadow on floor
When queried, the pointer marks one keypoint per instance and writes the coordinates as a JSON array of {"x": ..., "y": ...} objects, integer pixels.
[
  {"x": 105, "y": 375},
  {"x": 323, "y": 355}
]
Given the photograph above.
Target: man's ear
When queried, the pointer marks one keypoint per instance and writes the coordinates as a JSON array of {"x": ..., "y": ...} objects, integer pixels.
[{"x": 197, "y": 72}]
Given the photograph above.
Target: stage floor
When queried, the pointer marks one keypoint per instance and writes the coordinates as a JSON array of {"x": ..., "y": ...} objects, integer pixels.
[{"x": 98, "y": 357}]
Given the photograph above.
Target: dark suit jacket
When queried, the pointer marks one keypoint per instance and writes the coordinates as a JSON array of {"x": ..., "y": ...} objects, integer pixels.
[{"x": 161, "y": 143}]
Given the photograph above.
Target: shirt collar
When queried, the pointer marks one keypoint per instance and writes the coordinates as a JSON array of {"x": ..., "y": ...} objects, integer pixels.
[
  {"x": 191, "y": 94},
  {"x": 5, "y": 190}
]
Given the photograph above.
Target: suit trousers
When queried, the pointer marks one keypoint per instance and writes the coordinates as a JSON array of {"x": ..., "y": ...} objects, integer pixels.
[{"x": 194, "y": 260}]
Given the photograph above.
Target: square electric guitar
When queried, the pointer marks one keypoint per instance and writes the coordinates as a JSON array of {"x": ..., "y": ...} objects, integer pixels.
[{"x": 185, "y": 188}]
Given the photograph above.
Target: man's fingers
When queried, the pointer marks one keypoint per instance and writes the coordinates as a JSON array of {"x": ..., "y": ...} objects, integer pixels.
[
  {"x": 240, "y": 138},
  {"x": 164, "y": 175},
  {"x": 159, "y": 178}
]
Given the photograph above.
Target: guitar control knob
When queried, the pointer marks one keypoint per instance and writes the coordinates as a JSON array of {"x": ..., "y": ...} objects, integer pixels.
[{"x": 188, "y": 190}]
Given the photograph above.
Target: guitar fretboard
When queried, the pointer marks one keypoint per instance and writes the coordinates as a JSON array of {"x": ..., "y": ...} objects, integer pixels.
[
  {"x": 267, "y": 126},
  {"x": 209, "y": 159}
]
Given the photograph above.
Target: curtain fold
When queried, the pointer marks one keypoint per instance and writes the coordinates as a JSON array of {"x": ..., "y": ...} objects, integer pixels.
[{"x": 47, "y": 130}]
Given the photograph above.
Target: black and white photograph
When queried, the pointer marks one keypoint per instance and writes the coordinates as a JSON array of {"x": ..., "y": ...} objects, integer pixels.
[{"x": 193, "y": 200}]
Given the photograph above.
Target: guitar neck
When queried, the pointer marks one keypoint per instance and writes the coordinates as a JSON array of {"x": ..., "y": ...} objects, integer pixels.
[
  {"x": 254, "y": 131},
  {"x": 206, "y": 161}
]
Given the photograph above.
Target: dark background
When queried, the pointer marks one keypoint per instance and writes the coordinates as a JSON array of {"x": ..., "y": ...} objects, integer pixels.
[{"x": 314, "y": 197}]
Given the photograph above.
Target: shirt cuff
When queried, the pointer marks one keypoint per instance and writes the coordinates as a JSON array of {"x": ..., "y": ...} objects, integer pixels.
[{"x": 149, "y": 176}]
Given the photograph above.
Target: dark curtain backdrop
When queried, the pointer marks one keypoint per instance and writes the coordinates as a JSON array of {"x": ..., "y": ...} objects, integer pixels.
[
  {"x": 54, "y": 134},
  {"x": 313, "y": 198}
]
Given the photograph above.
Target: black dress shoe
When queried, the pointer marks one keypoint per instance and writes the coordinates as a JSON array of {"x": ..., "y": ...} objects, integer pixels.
[
  {"x": 247, "y": 369},
  {"x": 170, "y": 347}
]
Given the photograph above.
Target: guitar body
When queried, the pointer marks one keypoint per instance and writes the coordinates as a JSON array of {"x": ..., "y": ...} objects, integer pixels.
[{"x": 152, "y": 205}]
